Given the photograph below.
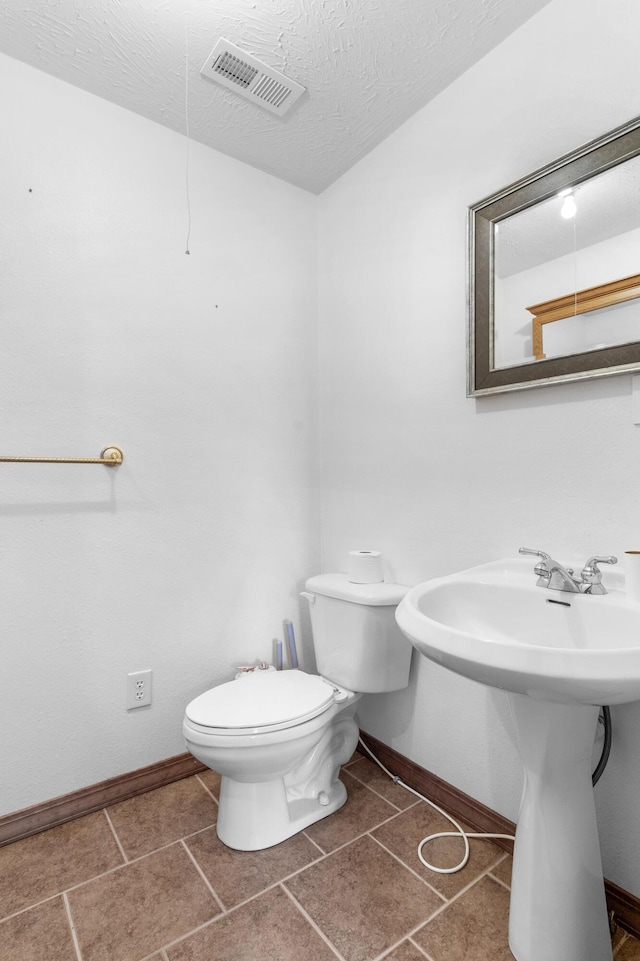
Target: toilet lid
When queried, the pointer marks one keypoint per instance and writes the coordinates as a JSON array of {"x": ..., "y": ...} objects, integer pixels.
[{"x": 262, "y": 699}]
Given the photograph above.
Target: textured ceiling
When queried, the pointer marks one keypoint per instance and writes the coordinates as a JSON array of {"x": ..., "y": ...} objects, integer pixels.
[{"x": 367, "y": 66}]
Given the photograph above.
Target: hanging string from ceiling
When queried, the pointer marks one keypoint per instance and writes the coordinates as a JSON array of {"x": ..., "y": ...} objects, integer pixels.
[{"x": 186, "y": 123}]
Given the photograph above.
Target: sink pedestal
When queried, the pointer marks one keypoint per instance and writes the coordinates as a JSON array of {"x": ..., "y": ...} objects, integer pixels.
[{"x": 558, "y": 907}]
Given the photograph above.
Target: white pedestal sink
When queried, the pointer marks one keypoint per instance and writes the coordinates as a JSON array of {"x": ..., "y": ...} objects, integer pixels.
[{"x": 560, "y": 656}]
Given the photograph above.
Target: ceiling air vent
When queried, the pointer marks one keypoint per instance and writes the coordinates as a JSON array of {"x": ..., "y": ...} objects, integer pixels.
[{"x": 239, "y": 71}]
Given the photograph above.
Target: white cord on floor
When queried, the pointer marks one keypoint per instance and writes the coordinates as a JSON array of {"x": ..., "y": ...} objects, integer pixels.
[{"x": 458, "y": 833}]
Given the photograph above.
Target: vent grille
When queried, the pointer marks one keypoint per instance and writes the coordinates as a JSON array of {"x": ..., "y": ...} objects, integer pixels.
[
  {"x": 248, "y": 77},
  {"x": 231, "y": 68}
]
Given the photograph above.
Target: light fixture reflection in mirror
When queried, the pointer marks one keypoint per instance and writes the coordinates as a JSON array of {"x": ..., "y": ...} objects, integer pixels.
[
  {"x": 557, "y": 256},
  {"x": 569, "y": 208}
]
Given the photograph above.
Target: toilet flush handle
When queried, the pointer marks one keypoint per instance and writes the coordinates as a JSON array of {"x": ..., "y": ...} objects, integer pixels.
[{"x": 310, "y": 597}]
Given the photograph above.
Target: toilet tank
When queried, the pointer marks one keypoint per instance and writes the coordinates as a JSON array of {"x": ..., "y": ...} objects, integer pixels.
[{"x": 355, "y": 636}]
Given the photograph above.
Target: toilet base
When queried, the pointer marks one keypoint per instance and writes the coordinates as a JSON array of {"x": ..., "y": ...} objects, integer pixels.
[
  {"x": 257, "y": 816},
  {"x": 254, "y": 815}
]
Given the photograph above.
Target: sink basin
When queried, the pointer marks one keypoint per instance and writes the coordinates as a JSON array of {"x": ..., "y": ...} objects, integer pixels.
[
  {"x": 559, "y": 656},
  {"x": 493, "y": 624}
]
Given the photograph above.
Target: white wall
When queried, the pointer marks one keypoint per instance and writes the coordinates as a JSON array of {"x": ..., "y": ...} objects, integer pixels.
[
  {"x": 202, "y": 368},
  {"x": 439, "y": 482}
]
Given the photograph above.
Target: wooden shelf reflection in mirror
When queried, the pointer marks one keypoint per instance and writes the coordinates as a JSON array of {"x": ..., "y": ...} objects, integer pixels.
[{"x": 580, "y": 302}]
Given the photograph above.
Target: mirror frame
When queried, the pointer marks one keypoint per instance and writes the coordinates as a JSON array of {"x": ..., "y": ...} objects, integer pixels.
[{"x": 587, "y": 161}]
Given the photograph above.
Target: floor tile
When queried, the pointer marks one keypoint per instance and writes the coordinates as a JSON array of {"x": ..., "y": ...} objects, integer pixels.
[
  {"x": 46, "y": 864},
  {"x": 269, "y": 928},
  {"x": 362, "y": 811},
  {"x": 474, "y": 927},
  {"x": 159, "y": 817},
  {"x": 129, "y": 913},
  {"x": 238, "y": 875},
  {"x": 212, "y": 780},
  {"x": 363, "y": 899},
  {"x": 403, "y": 835},
  {"x": 38, "y": 933},
  {"x": 374, "y": 777}
]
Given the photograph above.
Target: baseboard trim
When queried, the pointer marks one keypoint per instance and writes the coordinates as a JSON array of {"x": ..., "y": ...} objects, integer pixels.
[
  {"x": 623, "y": 907},
  {"x": 48, "y": 814}
]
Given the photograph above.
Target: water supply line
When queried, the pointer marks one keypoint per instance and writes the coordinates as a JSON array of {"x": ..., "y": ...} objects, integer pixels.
[{"x": 605, "y": 719}]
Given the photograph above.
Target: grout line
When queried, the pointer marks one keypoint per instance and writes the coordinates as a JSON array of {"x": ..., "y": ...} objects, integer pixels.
[
  {"x": 418, "y": 948},
  {"x": 74, "y": 935},
  {"x": 487, "y": 873},
  {"x": 315, "y": 843},
  {"x": 154, "y": 954},
  {"x": 194, "y": 834},
  {"x": 120, "y": 867},
  {"x": 117, "y": 867},
  {"x": 36, "y": 904},
  {"x": 355, "y": 757},
  {"x": 117, "y": 839},
  {"x": 498, "y": 880},
  {"x": 310, "y": 921},
  {"x": 204, "y": 878},
  {"x": 364, "y": 834},
  {"x": 458, "y": 895},
  {"x": 405, "y": 938},
  {"x": 409, "y": 868},
  {"x": 95, "y": 877},
  {"x": 189, "y": 934},
  {"x": 275, "y": 884},
  {"x": 618, "y": 947},
  {"x": 210, "y": 793},
  {"x": 373, "y": 791},
  {"x": 378, "y": 794}
]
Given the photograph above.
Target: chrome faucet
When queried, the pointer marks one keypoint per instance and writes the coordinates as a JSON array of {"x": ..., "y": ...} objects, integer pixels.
[{"x": 555, "y": 577}]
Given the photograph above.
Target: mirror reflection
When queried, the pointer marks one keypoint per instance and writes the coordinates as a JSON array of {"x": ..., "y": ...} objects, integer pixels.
[
  {"x": 554, "y": 273},
  {"x": 563, "y": 257}
]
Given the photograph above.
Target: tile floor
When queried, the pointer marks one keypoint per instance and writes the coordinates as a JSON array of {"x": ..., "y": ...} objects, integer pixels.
[{"x": 148, "y": 879}]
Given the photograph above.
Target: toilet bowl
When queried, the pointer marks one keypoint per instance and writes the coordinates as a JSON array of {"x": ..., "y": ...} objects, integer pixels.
[{"x": 279, "y": 738}]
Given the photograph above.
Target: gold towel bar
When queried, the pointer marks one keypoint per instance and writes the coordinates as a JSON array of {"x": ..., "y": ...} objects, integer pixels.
[{"x": 110, "y": 457}]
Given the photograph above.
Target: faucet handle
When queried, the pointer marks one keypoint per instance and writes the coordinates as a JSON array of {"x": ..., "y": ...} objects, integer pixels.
[
  {"x": 527, "y": 550},
  {"x": 601, "y": 560},
  {"x": 592, "y": 575},
  {"x": 591, "y": 569},
  {"x": 542, "y": 568}
]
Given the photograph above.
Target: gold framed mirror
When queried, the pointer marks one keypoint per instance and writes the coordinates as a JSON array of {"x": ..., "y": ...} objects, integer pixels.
[{"x": 557, "y": 254}]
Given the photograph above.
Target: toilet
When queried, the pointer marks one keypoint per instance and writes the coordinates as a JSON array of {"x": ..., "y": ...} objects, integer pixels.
[{"x": 278, "y": 738}]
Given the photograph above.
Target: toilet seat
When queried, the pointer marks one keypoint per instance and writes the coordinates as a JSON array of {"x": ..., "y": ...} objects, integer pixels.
[{"x": 261, "y": 702}]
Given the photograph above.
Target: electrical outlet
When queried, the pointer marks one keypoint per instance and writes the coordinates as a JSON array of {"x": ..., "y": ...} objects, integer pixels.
[{"x": 138, "y": 689}]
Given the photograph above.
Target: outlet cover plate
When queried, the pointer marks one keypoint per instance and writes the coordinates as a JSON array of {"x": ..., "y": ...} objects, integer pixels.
[{"x": 138, "y": 689}]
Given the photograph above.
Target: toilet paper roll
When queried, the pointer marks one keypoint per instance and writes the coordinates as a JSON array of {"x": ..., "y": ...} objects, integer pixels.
[
  {"x": 365, "y": 567},
  {"x": 632, "y": 575}
]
